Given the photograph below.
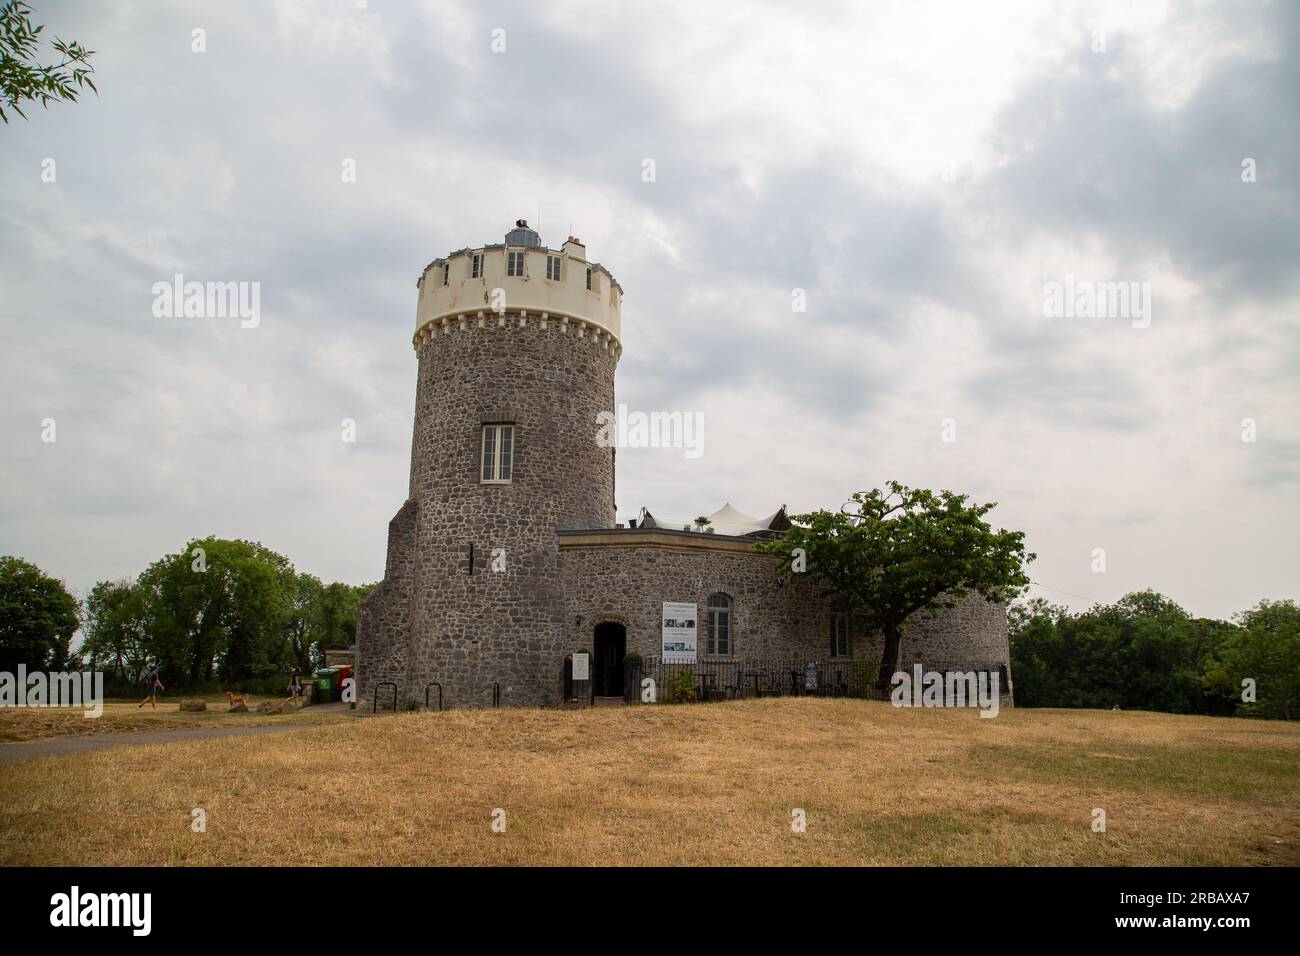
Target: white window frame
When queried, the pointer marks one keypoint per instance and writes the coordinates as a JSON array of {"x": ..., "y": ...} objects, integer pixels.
[
  {"x": 491, "y": 460},
  {"x": 553, "y": 268},
  {"x": 514, "y": 256},
  {"x": 476, "y": 265},
  {"x": 446, "y": 273},
  {"x": 589, "y": 289},
  {"x": 712, "y": 612}
]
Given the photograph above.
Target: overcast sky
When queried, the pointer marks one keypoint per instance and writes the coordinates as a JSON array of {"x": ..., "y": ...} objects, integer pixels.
[{"x": 923, "y": 171}]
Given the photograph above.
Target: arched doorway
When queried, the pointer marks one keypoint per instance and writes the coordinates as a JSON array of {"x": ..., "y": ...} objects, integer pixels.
[{"x": 607, "y": 668}]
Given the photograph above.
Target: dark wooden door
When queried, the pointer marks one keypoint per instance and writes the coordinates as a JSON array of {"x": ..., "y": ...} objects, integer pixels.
[{"x": 607, "y": 668}]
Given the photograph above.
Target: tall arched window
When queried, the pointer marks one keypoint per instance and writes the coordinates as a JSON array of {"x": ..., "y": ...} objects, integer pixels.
[{"x": 719, "y": 608}]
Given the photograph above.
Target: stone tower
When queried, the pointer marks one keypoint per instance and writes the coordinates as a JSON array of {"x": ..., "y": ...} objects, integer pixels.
[{"x": 517, "y": 346}]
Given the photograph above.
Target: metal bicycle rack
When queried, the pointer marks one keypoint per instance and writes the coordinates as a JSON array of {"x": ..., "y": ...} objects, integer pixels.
[
  {"x": 426, "y": 694},
  {"x": 385, "y": 683},
  {"x": 496, "y": 694}
]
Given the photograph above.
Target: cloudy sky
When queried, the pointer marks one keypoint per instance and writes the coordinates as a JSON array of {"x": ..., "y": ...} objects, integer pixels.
[{"x": 923, "y": 171}]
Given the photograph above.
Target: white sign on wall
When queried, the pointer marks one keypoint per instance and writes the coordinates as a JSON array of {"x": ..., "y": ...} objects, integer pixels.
[
  {"x": 679, "y": 633},
  {"x": 581, "y": 667}
]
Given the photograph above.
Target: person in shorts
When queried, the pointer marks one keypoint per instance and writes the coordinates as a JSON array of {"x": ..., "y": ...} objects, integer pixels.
[{"x": 152, "y": 684}]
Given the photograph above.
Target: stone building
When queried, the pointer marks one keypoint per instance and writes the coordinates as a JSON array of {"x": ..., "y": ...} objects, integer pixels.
[{"x": 506, "y": 557}]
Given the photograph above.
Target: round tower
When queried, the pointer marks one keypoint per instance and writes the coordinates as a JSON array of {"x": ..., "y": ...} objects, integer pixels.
[{"x": 517, "y": 346}]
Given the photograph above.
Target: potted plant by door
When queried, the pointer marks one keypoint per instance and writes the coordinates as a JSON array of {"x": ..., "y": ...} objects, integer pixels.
[{"x": 632, "y": 677}]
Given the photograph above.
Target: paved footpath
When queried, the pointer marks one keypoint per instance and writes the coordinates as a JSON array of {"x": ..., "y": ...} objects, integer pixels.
[{"x": 61, "y": 746}]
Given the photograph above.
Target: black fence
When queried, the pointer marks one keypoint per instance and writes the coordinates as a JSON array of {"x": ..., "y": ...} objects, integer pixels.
[{"x": 718, "y": 680}]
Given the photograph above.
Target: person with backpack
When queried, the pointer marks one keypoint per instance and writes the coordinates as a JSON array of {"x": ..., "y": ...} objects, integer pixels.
[
  {"x": 152, "y": 683},
  {"x": 295, "y": 685}
]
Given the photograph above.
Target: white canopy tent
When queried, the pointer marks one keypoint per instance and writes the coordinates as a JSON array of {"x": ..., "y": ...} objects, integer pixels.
[{"x": 726, "y": 520}]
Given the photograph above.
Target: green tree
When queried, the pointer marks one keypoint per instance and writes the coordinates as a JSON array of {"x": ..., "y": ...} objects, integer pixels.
[
  {"x": 37, "y": 618},
  {"x": 892, "y": 553},
  {"x": 339, "y": 604},
  {"x": 115, "y": 630},
  {"x": 1266, "y": 650},
  {"x": 1142, "y": 652},
  {"x": 221, "y": 609},
  {"x": 258, "y": 579},
  {"x": 217, "y": 608},
  {"x": 23, "y": 78},
  {"x": 304, "y": 599},
  {"x": 1209, "y": 639},
  {"x": 1157, "y": 667},
  {"x": 1037, "y": 651},
  {"x": 320, "y": 617},
  {"x": 1135, "y": 653}
]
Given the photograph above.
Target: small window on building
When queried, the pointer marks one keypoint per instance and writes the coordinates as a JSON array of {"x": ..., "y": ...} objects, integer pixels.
[
  {"x": 719, "y": 642},
  {"x": 839, "y": 635},
  {"x": 446, "y": 273},
  {"x": 515, "y": 263},
  {"x": 476, "y": 266},
  {"x": 498, "y": 453},
  {"x": 589, "y": 278},
  {"x": 553, "y": 268}
]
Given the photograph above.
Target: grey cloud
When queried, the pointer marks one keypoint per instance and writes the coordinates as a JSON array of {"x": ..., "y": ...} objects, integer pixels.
[
  {"x": 1085, "y": 151},
  {"x": 228, "y": 167}
]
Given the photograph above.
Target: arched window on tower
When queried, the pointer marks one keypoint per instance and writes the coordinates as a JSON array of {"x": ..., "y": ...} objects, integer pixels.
[{"x": 719, "y": 639}]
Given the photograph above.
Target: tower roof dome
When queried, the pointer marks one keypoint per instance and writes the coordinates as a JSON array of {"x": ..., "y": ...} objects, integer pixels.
[{"x": 522, "y": 235}]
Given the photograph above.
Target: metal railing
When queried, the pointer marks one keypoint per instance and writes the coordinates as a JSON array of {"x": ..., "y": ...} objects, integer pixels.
[
  {"x": 385, "y": 683},
  {"x": 713, "y": 680}
]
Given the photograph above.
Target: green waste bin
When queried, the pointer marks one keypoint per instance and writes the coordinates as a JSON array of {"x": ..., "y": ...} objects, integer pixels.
[{"x": 326, "y": 686}]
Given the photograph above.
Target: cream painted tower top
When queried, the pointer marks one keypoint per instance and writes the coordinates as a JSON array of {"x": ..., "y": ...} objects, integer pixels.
[{"x": 518, "y": 276}]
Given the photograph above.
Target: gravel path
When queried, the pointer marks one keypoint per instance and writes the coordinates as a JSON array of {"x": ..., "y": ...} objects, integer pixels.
[{"x": 60, "y": 746}]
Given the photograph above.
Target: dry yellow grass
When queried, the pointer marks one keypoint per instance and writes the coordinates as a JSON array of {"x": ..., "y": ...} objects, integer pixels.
[
  {"x": 119, "y": 717},
  {"x": 680, "y": 785}
]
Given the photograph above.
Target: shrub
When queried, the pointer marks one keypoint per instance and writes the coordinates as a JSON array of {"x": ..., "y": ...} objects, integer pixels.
[{"x": 679, "y": 687}]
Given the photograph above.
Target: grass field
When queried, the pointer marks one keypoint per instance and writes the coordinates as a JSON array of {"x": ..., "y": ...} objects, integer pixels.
[
  {"x": 120, "y": 716},
  {"x": 680, "y": 785}
]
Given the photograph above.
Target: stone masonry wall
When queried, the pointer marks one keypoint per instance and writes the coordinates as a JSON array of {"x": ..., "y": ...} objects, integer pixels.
[
  {"x": 384, "y": 618},
  {"x": 443, "y": 623},
  {"x": 432, "y": 620},
  {"x": 627, "y": 584}
]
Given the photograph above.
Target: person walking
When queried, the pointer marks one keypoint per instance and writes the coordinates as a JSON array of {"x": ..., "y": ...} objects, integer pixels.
[{"x": 152, "y": 683}]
